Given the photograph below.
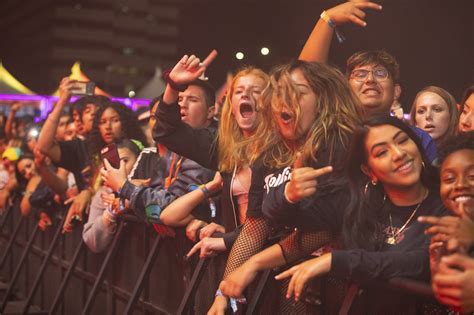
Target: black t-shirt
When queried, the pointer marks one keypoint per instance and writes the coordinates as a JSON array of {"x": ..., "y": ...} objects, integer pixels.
[{"x": 75, "y": 159}]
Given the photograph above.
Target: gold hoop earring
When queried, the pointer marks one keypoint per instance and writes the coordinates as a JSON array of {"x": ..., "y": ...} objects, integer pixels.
[{"x": 366, "y": 189}]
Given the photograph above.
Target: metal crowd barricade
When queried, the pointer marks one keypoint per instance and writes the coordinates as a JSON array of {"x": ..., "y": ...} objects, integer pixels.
[{"x": 140, "y": 272}]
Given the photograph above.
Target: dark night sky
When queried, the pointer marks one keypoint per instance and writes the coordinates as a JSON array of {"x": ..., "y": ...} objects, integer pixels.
[{"x": 432, "y": 39}]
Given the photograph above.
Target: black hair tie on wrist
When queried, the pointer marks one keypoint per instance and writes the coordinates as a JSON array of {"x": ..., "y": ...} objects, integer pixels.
[{"x": 175, "y": 86}]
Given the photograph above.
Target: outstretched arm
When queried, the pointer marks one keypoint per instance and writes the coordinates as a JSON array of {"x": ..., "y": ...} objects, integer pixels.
[
  {"x": 11, "y": 116},
  {"x": 317, "y": 46},
  {"x": 46, "y": 143},
  {"x": 178, "y": 213}
]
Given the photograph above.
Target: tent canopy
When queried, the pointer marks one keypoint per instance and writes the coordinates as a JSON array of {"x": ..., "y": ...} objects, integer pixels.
[
  {"x": 77, "y": 74},
  {"x": 10, "y": 85}
]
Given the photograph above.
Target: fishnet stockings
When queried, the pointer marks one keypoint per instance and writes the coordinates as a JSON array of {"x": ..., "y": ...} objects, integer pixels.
[
  {"x": 250, "y": 241},
  {"x": 300, "y": 244}
]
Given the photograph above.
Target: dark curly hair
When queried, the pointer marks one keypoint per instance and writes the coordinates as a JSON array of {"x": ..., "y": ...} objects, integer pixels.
[
  {"x": 463, "y": 141},
  {"x": 80, "y": 104},
  {"x": 130, "y": 128}
]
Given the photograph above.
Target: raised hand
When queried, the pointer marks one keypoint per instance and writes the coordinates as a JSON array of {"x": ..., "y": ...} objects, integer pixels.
[
  {"x": 352, "y": 11},
  {"x": 303, "y": 181},
  {"x": 65, "y": 87},
  {"x": 189, "y": 68},
  {"x": 15, "y": 107}
]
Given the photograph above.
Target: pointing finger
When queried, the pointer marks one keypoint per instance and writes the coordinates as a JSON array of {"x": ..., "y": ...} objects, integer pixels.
[{"x": 210, "y": 58}]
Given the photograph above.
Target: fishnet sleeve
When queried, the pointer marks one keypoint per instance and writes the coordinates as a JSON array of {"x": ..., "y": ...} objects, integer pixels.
[
  {"x": 300, "y": 244},
  {"x": 250, "y": 241}
]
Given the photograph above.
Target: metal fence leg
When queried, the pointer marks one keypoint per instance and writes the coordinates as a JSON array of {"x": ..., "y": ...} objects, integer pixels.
[
  {"x": 255, "y": 301},
  {"x": 43, "y": 266},
  {"x": 16, "y": 273},
  {"x": 11, "y": 241},
  {"x": 100, "y": 276},
  {"x": 8, "y": 211},
  {"x": 143, "y": 274},
  {"x": 193, "y": 285},
  {"x": 65, "y": 280}
]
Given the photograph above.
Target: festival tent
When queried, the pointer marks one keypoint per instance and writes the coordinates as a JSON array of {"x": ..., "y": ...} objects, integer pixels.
[
  {"x": 154, "y": 87},
  {"x": 77, "y": 74},
  {"x": 10, "y": 85}
]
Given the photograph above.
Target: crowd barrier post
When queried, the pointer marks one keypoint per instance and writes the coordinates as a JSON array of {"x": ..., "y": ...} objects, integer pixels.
[
  {"x": 11, "y": 241},
  {"x": 64, "y": 282},
  {"x": 100, "y": 276},
  {"x": 44, "y": 264},
  {"x": 150, "y": 260},
  {"x": 256, "y": 298},
  {"x": 184, "y": 307},
  {"x": 6, "y": 213},
  {"x": 16, "y": 273}
]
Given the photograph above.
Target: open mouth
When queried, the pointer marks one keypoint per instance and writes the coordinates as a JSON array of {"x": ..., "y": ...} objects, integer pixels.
[
  {"x": 246, "y": 110},
  {"x": 286, "y": 117}
]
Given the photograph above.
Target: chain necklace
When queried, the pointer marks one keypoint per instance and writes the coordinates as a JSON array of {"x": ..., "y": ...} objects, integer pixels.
[{"x": 394, "y": 232}]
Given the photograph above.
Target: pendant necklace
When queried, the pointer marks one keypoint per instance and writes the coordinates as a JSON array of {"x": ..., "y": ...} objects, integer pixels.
[{"x": 394, "y": 232}]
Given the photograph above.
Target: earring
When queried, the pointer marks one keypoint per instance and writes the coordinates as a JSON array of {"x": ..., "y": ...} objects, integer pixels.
[{"x": 366, "y": 189}]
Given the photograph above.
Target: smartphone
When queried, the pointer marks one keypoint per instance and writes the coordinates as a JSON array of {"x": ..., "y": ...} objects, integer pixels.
[
  {"x": 110, "y": 153},
  {"x": 83, "y": 88}
]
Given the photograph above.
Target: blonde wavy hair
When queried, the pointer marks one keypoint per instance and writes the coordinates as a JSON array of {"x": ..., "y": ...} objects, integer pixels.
[
  {"x": 232, "y": 153},
  {"x": 338, "y": 114}
]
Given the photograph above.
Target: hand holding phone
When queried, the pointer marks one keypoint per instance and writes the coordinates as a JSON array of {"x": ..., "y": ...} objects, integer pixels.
[
  {"x": 110, "y": 153},
  {"x": 83, "y": 88}
]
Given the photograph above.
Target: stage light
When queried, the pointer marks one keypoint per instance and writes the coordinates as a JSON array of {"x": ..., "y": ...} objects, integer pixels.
[
  {"x": 239, "y": 55},
  {"x": 264, "y": 51}
]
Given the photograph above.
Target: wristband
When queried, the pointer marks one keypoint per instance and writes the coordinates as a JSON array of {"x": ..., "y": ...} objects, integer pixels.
[
  {"x": 175, "y": 86},
  {"x": 206, "y": 191},
  {"x": 325, "y": 17}
]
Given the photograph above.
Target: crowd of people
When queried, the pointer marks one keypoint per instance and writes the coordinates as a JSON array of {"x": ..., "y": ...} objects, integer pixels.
[{"x": 304, "y": 170}]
